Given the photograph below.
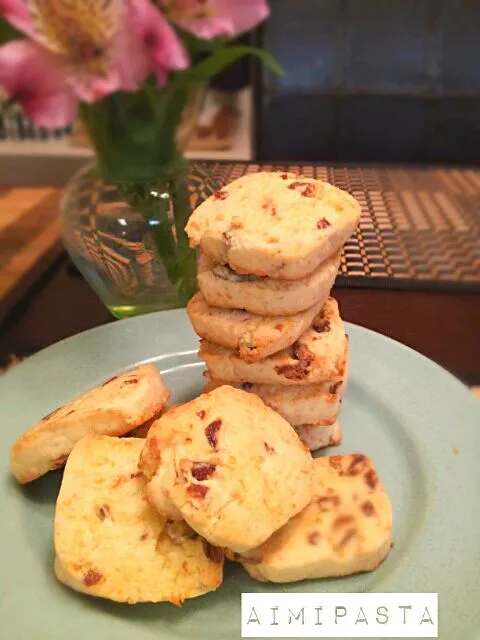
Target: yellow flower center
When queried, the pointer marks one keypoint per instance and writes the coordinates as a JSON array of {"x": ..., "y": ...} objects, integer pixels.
[
  {"x": 80, "y": 31},
  {"x": 188, "y": 9}
]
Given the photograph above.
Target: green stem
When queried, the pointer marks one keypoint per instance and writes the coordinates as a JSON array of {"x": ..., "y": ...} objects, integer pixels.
[
  {"x": 186, "y": 256},
  {"x": 159, "y": 202},
  {"x": 162, "y": 234},
  {"x": 181, "y": 204},
  {"x": 149, "y": 200},
  {"x": 135, "y": 140}
]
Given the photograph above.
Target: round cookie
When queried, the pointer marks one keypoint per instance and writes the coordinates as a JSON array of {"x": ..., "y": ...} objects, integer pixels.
[
  {"x": 346, "y": 529},
  {"x": 223, "y": 287},
  {"x": 274, "y": 224},
  {"x": 318, "y": 356},
  {"x": 252, "y": 337},
  {"x": 230, "y": 466},
  {"x": 304, "y": 404}
]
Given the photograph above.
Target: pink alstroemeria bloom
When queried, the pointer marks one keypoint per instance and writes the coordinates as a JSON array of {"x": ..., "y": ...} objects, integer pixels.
[
  {"x": 211, "y": 18},
  {"x": 83, "y": 51}
]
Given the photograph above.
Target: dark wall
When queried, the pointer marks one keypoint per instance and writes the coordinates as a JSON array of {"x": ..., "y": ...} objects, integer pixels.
[{"x": 372, "y": 80}]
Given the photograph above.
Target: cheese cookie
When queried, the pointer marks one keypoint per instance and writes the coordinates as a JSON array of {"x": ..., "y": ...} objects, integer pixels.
[
  {"x": 318, "y": 356},
  {"x": 252, "y": 337},
  {"x": 274, "y": 224},
  {"x": 110, "y": 543},
  {"x": 223, "y": 287},
  {"x": 115, "y": 408},
  {"x": 346, "y": 528},
  {"x": 228, "y": 465}
]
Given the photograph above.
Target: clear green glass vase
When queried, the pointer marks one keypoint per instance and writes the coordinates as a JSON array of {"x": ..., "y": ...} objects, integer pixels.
[{"x": 128, "y": 241}]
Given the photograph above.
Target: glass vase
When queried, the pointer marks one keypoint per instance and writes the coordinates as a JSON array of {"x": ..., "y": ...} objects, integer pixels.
[{"x": 128, "y": 241}]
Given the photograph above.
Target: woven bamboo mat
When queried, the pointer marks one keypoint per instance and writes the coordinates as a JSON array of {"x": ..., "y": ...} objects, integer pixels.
[{"x": 420, "y": 228}]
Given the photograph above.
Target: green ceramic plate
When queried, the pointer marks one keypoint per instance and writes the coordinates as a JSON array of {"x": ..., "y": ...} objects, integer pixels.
[{"x": 418, "y": 423}]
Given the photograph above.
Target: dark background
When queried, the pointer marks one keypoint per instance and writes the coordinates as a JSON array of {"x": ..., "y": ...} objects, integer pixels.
[{"x": 371, "y": 81}]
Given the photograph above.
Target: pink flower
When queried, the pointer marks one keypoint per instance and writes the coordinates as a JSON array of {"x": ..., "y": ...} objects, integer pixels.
[
  {"x": 73, "y": 55},
  {"x": 45, "y": 96},
  {"x": 211, "y": 18}
]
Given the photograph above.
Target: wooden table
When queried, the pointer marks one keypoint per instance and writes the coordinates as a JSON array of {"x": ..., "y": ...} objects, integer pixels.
[{"x": 29, "y": 240}]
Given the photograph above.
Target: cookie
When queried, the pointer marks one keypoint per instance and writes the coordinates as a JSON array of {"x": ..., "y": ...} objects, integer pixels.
[
  {"x": 346, "y": 529},
  {"x": 228, "y": 465},
  {"x": 318, "y": 356},
  {"x": 223, "y": 287},
  {"x": 304, "y": 404},
  {"x": 143, "y": 429},
  {"x": 252, "y": 337},
  {"x": 277, "y": 225},
  {"x": 115, "y": 408},
  {"x": 320, "y": 435},
  {"x": 110, "y": 543}
]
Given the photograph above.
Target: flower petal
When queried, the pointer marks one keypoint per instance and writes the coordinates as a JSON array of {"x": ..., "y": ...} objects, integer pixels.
[
  {"x": 159, "y": 40},
  {"x": 18, "y": 14},
  {"x": 32, "y": 77},
  {"x": 213, "y": 18},
  {"x": 244, "y": 15},
  {"x": 91, "y": 88},
  {"x": 130, "y": 57}
]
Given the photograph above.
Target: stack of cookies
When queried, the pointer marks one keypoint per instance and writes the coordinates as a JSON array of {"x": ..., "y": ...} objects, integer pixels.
[{"x": 270, "y": 249}]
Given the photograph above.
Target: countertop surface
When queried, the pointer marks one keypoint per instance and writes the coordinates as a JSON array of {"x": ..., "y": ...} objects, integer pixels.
[{"x": 29, "y": 239}]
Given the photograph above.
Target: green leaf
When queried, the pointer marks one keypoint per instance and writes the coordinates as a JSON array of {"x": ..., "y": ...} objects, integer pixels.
[
  {"x": 7, "y": 32},
  {"x": 219, "y": 60},
  {"x": 196, "y": 45}
]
